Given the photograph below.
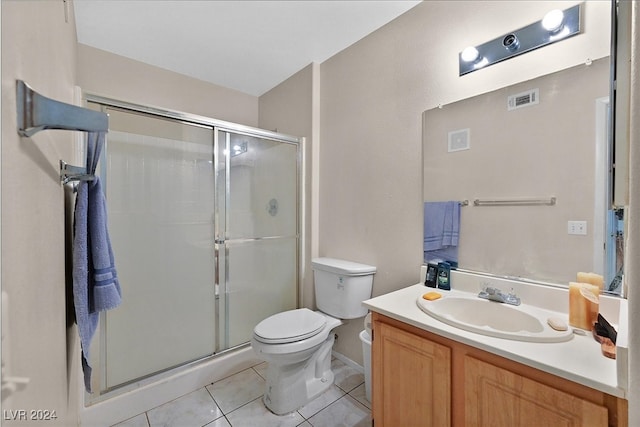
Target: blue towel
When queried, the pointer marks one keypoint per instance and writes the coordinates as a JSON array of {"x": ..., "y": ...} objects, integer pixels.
[
  {"x": 95, "y": 282},
  {"x": 441, "y": 230}
]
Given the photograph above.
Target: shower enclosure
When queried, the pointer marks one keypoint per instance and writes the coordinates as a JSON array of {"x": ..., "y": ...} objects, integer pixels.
[{"x": 204, "y": 223}]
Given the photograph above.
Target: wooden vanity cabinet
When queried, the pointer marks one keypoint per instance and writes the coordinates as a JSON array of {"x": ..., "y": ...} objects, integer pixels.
[
  {"x": 423, "y": 379},
  {"x": 414, "y": 377}
]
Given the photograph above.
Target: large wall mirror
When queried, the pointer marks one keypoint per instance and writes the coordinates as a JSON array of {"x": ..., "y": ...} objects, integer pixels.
[{"x": 529, "y": 165}]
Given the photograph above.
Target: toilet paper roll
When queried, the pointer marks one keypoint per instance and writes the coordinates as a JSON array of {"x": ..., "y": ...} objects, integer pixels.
[{"x": 367, "y": 323}]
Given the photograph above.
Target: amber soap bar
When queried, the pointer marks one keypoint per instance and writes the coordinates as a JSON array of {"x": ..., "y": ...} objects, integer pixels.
[{"x": 583, "y": 305}]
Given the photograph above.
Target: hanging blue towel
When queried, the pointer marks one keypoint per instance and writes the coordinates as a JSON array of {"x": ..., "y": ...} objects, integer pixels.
[
  {"x": 95, "y": 282},
  {"x": 441, "y": 230}
]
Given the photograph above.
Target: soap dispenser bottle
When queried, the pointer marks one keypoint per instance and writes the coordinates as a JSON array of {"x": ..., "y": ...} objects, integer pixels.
[
  {"x": 444, "y": 276},
  {"x": 432, "y": 275}
]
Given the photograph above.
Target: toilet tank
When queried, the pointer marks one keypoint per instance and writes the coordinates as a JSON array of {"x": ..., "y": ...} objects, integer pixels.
[{"x": 341, "y": 286}]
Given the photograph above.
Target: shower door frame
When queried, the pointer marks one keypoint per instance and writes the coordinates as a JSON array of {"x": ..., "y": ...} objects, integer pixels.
[{"x": 216, "y": 126}]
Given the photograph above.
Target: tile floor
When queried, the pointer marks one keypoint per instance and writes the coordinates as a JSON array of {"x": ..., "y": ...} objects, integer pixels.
[{"x": 237, "y": 401}]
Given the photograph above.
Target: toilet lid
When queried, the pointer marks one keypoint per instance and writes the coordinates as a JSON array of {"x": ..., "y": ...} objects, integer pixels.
[{"x": 289, "y": 326}]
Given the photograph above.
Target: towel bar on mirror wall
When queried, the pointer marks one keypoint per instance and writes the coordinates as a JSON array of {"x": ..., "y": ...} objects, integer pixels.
[
  {"x": 551, "y": 201},
  {"x": 37, "y": 112}
]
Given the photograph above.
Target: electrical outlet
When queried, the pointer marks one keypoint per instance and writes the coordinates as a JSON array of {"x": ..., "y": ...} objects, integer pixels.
[{"x": 577, "y": 227}]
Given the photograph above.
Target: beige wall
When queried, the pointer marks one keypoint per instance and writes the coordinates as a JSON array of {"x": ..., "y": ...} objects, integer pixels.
[
  {"x": 123, "y": 79},
  {"x": 290, "y": 108},
  {"x": 372, "y": 97},
  {"x": 39, "y": 47}
]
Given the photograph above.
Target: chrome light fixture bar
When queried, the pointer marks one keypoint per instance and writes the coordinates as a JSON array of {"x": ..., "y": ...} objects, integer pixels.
[{"x": 556, "y": 25}]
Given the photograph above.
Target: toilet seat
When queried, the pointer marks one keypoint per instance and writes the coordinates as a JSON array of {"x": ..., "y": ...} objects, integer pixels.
[{"x": 290, "y": 326}]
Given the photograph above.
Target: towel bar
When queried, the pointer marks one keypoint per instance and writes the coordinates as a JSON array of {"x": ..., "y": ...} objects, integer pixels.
[
  {"x": 70, "y": 173},
  {"x": 551, "y": 201},
  {"x": 36, "y": 112}
]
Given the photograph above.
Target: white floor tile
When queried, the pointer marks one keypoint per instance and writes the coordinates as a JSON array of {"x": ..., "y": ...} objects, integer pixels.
[
  {"x": 319, "y": 403},
  {"x": 220, "y": 422},
  {"x": 194, "y": 409},
  {"x": 261, "y": 369},
  {"x": 256, "y": 414},
  {"x": 138, "y": 421},
  {"x": 360, "y": 394},
  {"x": 346, "y": 377},
  {"x": 240, "y": 397},
  {"x": 345, "y": 412},
  {"x": 237, "y": 390}
]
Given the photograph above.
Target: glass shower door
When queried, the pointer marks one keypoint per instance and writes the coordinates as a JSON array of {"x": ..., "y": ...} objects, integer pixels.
[
  {"x": 204, "y": 223},
  {"x": 256, "y": 231},
  {"x": 160, "y": 192}
]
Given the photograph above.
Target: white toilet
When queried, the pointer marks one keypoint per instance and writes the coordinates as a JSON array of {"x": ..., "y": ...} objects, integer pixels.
[{"x": 297, "y": 343}]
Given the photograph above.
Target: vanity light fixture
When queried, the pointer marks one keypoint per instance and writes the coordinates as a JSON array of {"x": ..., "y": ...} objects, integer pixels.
[{"x": 555, "y": 26}]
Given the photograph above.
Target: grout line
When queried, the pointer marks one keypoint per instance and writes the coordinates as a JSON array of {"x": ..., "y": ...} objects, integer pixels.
[
  {"x": 256, "y": 371},
  {"x": 241, "y": 406}
]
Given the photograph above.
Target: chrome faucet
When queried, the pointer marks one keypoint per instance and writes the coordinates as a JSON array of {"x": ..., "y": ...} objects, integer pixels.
[{"x": 495, "y": 294}]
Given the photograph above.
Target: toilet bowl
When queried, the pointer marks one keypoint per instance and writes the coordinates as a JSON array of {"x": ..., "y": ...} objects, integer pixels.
[
  {"x": 297, "y": 344},
  {"x": 299, "y": 368}
]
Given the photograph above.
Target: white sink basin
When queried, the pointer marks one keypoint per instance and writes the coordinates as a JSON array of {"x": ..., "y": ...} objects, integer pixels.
[{"x": 468, "y": 312}]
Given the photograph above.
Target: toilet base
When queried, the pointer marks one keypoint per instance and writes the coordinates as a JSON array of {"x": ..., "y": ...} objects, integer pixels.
[{"x": 289, "y": 387}]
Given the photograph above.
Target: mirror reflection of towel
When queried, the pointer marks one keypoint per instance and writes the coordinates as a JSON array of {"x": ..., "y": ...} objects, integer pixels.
[{"x": 441, "y": 230}]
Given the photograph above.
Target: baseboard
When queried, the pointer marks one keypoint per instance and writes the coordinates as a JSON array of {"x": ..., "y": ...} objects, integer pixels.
[{"x": 344, "y": 359}]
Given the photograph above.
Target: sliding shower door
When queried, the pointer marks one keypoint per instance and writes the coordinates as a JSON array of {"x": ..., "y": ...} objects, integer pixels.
[
  {"x": 204, "y": 224},
  {"x": 160, "y": 193},
  {"x": 256, "y": 230}
]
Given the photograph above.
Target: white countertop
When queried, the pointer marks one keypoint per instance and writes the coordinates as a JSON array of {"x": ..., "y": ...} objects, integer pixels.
[{"x": 579, "y": 359}]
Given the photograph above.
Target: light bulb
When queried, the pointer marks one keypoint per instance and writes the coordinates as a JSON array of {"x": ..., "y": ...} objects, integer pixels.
[
  {"x": 553, "y": 20},
  {"x": 469, "y": 54}
]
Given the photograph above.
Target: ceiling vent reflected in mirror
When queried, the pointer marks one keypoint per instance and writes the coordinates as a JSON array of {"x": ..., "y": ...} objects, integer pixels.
[{"x": 459, "y": 140}]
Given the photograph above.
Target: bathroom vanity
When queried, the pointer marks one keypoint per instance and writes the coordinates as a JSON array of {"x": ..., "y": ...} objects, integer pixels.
[{"x": 427, "y": 372}]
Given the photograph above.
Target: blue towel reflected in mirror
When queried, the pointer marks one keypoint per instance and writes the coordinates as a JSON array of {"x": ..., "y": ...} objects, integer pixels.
[{"x": 441, "y": 231}]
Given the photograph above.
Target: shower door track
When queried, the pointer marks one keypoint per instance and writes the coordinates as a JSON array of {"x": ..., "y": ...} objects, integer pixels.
[{"x": 160, "y": 375}]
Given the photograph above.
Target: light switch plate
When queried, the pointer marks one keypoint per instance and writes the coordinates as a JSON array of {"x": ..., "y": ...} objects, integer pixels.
[{"x": 577, "y": 227}]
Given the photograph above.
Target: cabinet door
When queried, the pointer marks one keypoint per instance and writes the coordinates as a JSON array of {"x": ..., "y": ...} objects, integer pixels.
[
  {"x": 411, "y": 379},
  {"x": 496, "y": 397}
]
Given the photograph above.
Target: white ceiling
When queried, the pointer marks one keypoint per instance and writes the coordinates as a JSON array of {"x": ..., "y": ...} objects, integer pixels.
[{"x": 250, "y": 46}]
